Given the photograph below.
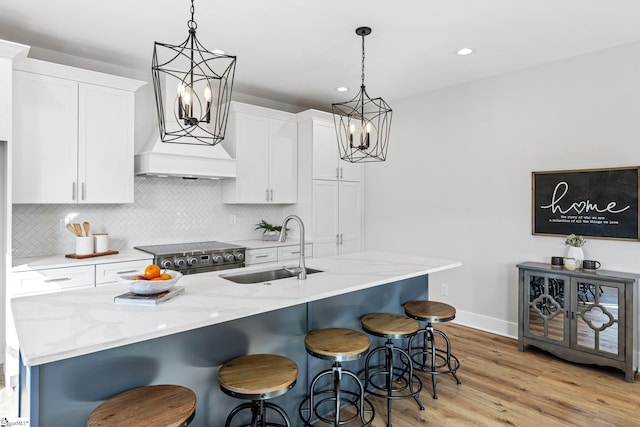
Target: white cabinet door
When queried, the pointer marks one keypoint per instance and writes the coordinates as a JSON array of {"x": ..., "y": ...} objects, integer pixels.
[
  {"x": 325, "y": 151},
  {"x": 252, "y": 153},
  {"x": 105, "y": 144},
  {"x": 283, "y": 161},
  {"x": 350, "y": 217},
  {"x": 293, "y": 252},
  {"x": 337, "y": 217},
  {"x": 325, "y": 218},
  {"x": 73, "y": 142},
  {"x": 326, "y": 156},
  {"x": 51, "y": 280},
  {"x": 45, "y": 129},
  {"x": 265, "y": 149},
  {"x": 260, "y": 256},
  {"x": 110, "y": 272}
]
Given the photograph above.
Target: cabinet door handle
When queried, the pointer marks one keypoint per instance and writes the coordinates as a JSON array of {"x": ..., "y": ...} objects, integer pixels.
[
  {"x": 73, "y": 191},
  {"x": 341, "y": 239},
  {"x": 266, "y": 194},
  {"x": 125, "y": 272},
  {"x": 262, "y": 256},
  {"x": 341, "y": 173},
  {"x": 84, "y": 192},
  {"x": 295, "y": 252},
  {"x": 337, "y": 239},
  {"x": 59, "y": 279},
  {"x": 271, "y": 192},
  {"x": 337, "y": 173}
]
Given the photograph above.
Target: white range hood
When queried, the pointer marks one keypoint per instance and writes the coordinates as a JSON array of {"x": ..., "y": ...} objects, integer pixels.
[
  {"x": 184, "y": 160},
  {"x": 158, "y": 158}
]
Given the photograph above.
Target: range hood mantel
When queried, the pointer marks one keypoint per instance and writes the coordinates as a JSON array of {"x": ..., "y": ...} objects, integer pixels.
[{"x": 184, "y": 160}]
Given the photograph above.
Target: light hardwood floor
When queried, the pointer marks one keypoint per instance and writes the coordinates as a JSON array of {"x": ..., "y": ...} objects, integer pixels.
[{"x": 502, "y": 386}]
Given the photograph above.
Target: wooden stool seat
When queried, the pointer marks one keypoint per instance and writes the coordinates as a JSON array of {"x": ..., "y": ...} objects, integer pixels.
[
  {"x": 389, "y": 325},
  {"x": 156, "y": 405},
  {"x": 430, "y": 311},
  {"x": 338, "y": 344},
  {"x": 258, "y": 374}
]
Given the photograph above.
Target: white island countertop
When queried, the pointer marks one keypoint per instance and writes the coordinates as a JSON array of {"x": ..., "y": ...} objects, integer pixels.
[{"x": 62, "y": 325}]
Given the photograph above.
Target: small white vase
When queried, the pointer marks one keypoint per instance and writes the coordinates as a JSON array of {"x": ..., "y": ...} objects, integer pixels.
[{"x": 577, "y": 253}]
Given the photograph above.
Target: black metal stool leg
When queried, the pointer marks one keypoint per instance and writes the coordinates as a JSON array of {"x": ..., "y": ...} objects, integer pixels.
[{"x": 425, "y": 355}]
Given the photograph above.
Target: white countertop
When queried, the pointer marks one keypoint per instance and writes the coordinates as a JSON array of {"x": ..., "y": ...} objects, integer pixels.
[
  {"x": 259, "y": 244},
  {"x": 60, "y": 261},
  {"x": 62, "y": 325}
]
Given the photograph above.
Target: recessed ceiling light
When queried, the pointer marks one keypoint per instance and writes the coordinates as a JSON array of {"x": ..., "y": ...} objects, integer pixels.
[
  {"x": 465, "y": 51},
  {"x": 342, "y": 89}
]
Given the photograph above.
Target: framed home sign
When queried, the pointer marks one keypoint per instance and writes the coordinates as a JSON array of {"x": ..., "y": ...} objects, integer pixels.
[{"x": 601, "y": 203}]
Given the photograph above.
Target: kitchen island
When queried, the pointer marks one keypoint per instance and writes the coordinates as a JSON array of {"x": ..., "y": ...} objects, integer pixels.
[{"x": 79, "y": 348}]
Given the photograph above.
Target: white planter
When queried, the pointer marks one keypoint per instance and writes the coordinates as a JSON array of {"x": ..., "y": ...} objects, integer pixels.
[
  {"x": 271, "y": 235},
  {"x": 577, "y": 253}
]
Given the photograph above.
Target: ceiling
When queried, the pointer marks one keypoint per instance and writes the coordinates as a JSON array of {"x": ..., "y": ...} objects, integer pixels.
[{"x": 299, "y": 51}]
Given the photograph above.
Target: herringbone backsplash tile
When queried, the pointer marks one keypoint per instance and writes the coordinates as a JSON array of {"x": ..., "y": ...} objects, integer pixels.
[{"x": 166, "y": 210}]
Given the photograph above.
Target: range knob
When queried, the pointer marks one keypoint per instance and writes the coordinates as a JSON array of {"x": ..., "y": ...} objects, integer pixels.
[
  {"x": 180, "y": 262},
  {"x": 228, "y": 257},
  {"x": 166, "y": 264},
  {"x": 239, "y": 256},
  {"x": 192, "y": 261},
  {"x": 216, "y": 259}
]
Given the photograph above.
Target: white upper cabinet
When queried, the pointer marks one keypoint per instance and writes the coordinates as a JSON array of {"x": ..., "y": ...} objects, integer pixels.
[
  {"x": 319, "y": 127},
  {"x": 73, "y": 139},
  {"x": 264, "y": 143}
]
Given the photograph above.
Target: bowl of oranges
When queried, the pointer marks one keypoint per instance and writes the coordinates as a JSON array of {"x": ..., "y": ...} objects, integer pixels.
[{"x": 151, "y": 281}]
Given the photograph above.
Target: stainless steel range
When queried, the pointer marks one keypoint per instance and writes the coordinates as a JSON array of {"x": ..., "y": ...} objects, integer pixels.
[{"x": 199, "y": 257}]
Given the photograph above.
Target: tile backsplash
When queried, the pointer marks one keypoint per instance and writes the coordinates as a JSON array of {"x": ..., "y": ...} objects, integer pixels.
[{"x": 166, "y": 210}]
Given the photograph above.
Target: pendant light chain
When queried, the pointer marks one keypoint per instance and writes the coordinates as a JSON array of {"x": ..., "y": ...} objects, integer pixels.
[
  {"x": 363, "y": 59},
  {"x": 192, "y": 22}
]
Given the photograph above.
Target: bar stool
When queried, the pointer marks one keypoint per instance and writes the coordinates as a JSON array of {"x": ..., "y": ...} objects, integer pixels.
[
  {"x": 426, "y": 356},
  {"x": 398, "y": 381},
  {"x": 337, "y": 345},
  {"x": 258, "y": 377},
  {"x": 156, "y": 405}
]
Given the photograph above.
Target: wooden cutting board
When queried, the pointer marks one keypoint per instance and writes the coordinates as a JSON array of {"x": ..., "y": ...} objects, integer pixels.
[{"x": 91, "y": 255}]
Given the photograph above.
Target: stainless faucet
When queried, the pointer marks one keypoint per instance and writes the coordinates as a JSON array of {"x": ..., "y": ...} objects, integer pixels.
[{"x": 301, "y": 271}]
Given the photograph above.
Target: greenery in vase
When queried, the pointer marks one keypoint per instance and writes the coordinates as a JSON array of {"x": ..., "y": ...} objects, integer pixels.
[
  {"x": 575, "y": 241},
  {"x": 265, "y": 226}
]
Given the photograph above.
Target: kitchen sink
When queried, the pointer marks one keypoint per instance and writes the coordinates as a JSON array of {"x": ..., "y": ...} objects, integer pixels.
[{"x": 263, "y": 276}]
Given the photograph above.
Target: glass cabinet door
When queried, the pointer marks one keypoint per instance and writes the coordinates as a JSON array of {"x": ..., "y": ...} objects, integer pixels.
[
  {"x": 546, "y": 316},
  {"x": 599, "y": 314}
]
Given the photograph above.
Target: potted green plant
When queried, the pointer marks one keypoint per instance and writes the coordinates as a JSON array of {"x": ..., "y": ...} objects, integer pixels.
[
  {"x": 270, "y": 231},
  {"x": 575, "y": 244}
]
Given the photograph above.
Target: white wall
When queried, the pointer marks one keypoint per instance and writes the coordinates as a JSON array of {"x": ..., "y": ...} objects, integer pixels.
[{"x": 458, "y": 174}]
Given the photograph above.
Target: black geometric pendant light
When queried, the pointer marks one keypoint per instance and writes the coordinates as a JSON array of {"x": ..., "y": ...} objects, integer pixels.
[
  {"x": 193, "y": 90},
  {"x": 363, "y": 124}
]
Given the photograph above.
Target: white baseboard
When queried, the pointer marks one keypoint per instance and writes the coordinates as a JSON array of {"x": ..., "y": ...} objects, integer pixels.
[{"x": 488, "y": 324}]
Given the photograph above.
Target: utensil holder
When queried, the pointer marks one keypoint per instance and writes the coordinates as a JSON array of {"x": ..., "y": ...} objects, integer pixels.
[
  {"x": 84, "y": 245},
  {"x": 101, "y": 242}
]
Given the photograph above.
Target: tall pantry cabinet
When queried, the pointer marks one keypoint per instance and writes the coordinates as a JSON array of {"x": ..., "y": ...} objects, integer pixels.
[{"x": 330, "y": 190}]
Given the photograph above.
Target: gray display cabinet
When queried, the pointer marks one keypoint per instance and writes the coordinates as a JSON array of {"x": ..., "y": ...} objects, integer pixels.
[{"x": 584, "y": 317}]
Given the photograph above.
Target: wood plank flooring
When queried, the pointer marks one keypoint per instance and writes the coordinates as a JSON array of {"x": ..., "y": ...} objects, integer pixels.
[{"x": 502, "y": 386}]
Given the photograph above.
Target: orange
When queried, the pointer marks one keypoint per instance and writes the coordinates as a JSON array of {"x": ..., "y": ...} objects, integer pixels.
[
  {"x": 165, "y": 276},
  {"x": 151, "y": 271}
]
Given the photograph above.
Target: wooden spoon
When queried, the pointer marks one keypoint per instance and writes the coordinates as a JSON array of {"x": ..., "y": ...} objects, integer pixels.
[
  {"x": 78, "y": 229},
  {"x": 71, "y": 229},
  {"x": 86, "y": 227}
]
